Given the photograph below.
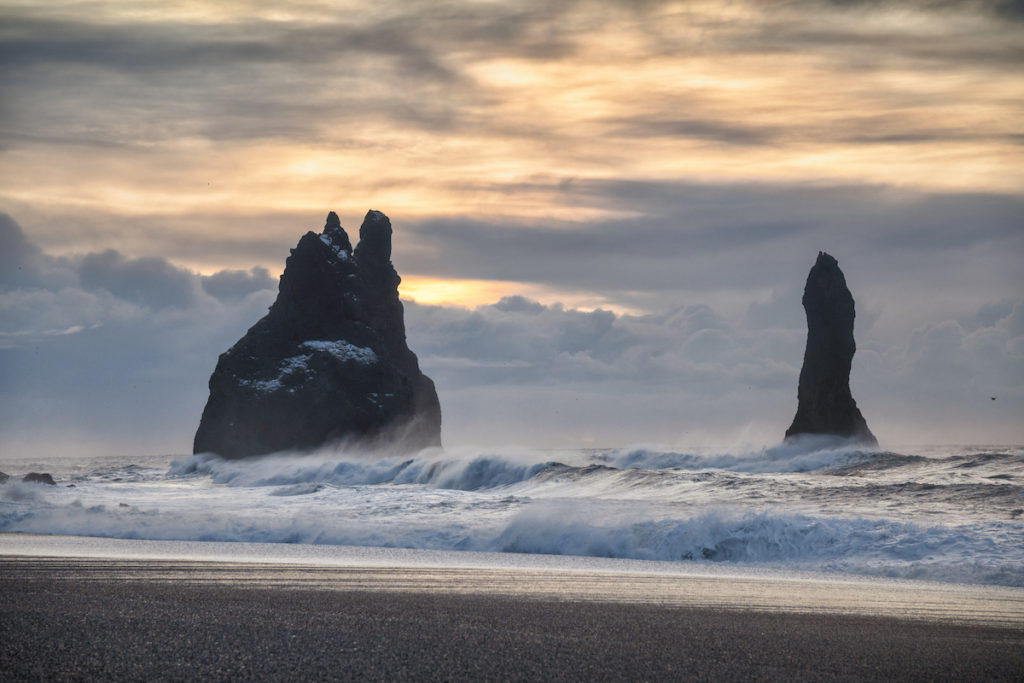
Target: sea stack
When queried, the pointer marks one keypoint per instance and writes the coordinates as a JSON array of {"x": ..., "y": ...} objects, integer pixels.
[
  {"x": 329, "y": 362},
  {"x": 824, "y": 402}
]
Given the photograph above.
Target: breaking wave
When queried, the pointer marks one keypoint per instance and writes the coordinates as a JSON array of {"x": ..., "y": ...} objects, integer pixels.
[
  {"x": 482, "y": 471},
  {"x": 975, "y": 553},
  {"x": 803, "y": 454},
  {"x": 477, "y": 471},
  {"x": 950, "y": 516}
]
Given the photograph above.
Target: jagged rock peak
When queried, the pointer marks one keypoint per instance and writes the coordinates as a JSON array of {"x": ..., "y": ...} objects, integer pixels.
[
  {"x": 333, "y": 222},
  {"x": 824, "y": 402},
  {"x": 374, "y": 238},
  {"x": 335, "y": 234},
  {"x": 826, "y": 291},
  {"x": 329, "y": 362}
]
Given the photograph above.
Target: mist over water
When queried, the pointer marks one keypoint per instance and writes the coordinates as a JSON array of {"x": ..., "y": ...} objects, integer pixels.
[{"x": 940, "y": 513}]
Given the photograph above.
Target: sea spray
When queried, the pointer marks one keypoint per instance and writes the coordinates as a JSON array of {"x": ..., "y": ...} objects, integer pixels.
[
  {"x": 950, "y": 514},
  {"x": 432, "y": 468}
]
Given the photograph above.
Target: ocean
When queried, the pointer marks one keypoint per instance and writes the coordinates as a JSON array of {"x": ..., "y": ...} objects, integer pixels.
[{"x": 935, "y": 513}]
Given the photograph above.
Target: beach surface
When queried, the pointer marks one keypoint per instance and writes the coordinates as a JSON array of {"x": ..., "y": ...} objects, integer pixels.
[{"x": 380, "y": 615}]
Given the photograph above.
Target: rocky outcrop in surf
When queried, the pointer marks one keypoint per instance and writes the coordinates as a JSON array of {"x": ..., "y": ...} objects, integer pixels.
[
  {"x": 824, "y": 402},
  {"x": 39, "y": 478},
  {"x": 329, "y": 361}
]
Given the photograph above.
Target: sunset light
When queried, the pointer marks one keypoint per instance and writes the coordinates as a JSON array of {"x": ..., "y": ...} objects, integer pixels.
[{"x": 494, "y": 340}]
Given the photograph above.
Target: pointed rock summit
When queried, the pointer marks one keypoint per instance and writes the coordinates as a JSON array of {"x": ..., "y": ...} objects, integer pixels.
[
  {"x": 824, "y": 402},
  {"x": 328, "y": 362}
]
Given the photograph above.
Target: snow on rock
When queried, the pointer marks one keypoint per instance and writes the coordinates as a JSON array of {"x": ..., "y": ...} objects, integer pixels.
[{"x": 343, "y": 351}]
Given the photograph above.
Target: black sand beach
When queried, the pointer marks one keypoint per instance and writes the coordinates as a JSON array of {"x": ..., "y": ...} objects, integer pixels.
[{"x": 76, "y": 619}]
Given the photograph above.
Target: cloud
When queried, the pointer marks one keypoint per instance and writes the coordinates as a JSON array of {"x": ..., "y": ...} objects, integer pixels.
[
  {"x": 974, "y": 358},
  {"x": 229, "y": 285},
  {"x": 691, "y": 351},
  {"x": 102, "y": 351},
  {"x": 948, "y": 382},
  {"x": 163, "y": 81},
  {"x": 101, "y": 363},
  {"x": 705, "y": 129},
  {"x": 556, "y": 374},
  {"x": 736, "y": 247},
  {"x": 121, "y": 81},
  {"x": 150, "y": 281},
  {"x": 521, "y": 372},
  {"x": 730, "y": 245},
  {"x": 1007, "y": 8},
  {"x": 19, "y": 259},
  {"x": 174, "y": 78}
]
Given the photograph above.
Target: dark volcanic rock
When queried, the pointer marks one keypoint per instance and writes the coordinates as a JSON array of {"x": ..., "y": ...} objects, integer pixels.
[
  {"x": 39, "y": 478},
  {"x": 328, "y": 362},
  {"x": 824, "y": 402},
  {"x": 4, "y": 477}
]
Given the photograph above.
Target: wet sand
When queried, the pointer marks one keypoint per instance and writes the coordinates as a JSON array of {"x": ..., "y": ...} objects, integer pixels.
[{"x": 75, "y": 618}]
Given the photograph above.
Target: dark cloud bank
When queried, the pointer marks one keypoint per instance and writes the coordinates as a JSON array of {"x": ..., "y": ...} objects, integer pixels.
[
  {"x": 703, "y": 238},
  {"x": 109, "y": 83},
  {"x": 106, "y": 353}
]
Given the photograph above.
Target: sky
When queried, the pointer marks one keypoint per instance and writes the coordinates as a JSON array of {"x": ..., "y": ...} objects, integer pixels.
[{"x": 604, "y": 211}]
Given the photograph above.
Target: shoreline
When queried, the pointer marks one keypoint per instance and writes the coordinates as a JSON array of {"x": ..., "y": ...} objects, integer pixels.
[
  {"x": 65, "y": 618},
  {"x": 530, "y": 576}
]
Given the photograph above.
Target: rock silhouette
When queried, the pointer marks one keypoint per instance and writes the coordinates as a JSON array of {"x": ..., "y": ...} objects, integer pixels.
[
  {"x": 328, "y": 362},
  {"x": 824, "y": 402}
]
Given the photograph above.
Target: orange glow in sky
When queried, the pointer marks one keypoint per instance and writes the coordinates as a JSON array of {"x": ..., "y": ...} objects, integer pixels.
[{"x": 466, "y": 112}]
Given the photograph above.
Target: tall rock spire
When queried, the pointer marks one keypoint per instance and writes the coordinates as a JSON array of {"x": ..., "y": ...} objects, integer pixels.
[
  {"x": 328, "y": 362},
  {"x": 824, "y": 402}
]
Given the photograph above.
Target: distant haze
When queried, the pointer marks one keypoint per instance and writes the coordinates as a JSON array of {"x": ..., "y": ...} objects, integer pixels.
[{"x": 604, "y": 211}]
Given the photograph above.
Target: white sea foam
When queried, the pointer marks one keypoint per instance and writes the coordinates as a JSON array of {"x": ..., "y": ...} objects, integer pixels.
[
  {"x": 803, "y": 454},
  {"x": 951, "y": 515},
  {"x": 481, "y": 471},
  {"x": 977, "y": 553}
]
